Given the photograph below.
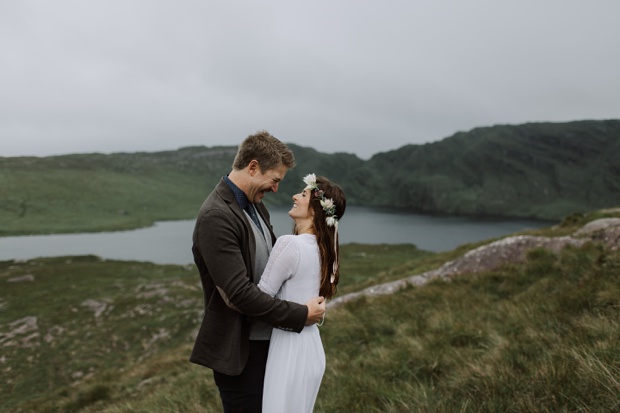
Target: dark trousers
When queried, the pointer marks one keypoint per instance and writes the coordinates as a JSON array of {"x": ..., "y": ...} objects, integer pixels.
[{"x": 244, "y": 393}]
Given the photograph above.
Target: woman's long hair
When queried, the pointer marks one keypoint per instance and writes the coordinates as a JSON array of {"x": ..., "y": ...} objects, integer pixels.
[{"x": 326, "y": 236}]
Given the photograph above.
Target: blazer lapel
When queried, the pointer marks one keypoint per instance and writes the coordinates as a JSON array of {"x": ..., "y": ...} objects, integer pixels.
[{"x": 227, "y": 195}]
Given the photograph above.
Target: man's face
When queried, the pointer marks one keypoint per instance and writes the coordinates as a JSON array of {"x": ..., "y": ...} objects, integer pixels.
[{"x": 263, "y": 182}]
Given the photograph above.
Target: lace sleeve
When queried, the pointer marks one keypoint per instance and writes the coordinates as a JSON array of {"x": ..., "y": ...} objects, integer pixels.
[{"x": 282, "y": 265}]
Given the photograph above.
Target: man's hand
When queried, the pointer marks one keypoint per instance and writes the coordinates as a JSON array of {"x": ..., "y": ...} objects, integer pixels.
[{"x": 316, "y": 310}]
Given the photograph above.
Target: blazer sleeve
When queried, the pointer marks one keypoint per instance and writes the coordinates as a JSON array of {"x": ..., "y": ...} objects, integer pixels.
[{"x": 219, "y": 240}]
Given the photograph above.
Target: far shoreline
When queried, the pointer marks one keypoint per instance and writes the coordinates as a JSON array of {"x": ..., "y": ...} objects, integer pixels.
[{"x": 148, "y": 223}]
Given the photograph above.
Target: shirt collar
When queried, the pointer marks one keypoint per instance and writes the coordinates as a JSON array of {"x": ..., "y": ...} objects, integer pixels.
[{"x": 240, "y": 196}]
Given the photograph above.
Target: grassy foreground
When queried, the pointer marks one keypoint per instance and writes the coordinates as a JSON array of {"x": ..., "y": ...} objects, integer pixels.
[{"x": 85, "y": 335}]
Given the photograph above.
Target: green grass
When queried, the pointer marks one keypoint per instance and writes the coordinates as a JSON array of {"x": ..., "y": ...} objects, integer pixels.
[
  {"x": 71, "y": 343},
  {"x": 364, "y": 265},
  {"x": 149, "y": 314},
  {"x": 62, "y": 201},
  {"x": 541, "y": 336}
]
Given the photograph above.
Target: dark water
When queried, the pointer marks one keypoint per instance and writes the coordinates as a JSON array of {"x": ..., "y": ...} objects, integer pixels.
[{"x": 170, "y": 242}]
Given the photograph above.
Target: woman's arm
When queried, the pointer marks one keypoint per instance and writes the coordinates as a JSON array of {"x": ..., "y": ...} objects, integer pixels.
[{"x": 282, "y": 265}]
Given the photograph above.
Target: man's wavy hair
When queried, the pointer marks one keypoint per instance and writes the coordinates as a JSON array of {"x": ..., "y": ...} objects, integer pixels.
[{"x": 268, "y": 150}]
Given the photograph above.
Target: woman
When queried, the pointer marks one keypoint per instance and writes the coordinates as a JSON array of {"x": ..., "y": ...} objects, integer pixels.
[{"x": 300, "y": 267}]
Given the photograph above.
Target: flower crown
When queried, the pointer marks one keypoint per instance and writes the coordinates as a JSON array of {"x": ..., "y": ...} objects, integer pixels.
[{"x": 326, "y": 203}]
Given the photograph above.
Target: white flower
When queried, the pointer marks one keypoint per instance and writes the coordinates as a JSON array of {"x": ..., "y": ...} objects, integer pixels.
[
  {"x": 331, "y": 221},
  {"x": 310, "y": 181},
  {"x": 327, "y": 204}
]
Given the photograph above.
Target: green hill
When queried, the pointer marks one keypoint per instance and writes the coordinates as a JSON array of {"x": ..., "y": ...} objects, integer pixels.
[
  {"x": 541, "y": 170},
  {"x": 79, "y": 334},
  {"x": 93, "y": 192}
]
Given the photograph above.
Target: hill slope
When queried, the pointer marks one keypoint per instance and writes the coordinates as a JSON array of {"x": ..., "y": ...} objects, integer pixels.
[
  {"x": 538, "y": 335},
  {"x": 92, "y": 192},
  {"x": 544, "y": 170}
]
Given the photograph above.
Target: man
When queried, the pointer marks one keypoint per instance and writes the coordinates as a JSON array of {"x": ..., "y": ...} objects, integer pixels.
[{"x": 232, "y": 240}]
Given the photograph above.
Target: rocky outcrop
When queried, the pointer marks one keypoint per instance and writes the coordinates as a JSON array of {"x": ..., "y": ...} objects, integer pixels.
[
  {"x": 491, "y": 256},
  {"x": 23, "y": 333}
]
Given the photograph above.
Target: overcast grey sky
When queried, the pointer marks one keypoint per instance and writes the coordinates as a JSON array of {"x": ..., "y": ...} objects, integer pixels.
[{"x": 358, "y": 76}]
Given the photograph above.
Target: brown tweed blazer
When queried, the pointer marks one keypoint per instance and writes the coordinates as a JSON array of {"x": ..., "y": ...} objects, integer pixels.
[{"x": 224, "y": 249}]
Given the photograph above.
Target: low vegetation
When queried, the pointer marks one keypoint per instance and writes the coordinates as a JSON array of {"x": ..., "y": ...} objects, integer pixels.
[{"x": 79, "y": 334}]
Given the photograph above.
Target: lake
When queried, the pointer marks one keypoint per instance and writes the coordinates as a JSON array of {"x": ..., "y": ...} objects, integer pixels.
[{"x": 170, "y": 242}]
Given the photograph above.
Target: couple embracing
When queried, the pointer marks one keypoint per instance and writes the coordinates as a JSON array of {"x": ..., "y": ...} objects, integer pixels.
[{"x": 264, "y": 297}]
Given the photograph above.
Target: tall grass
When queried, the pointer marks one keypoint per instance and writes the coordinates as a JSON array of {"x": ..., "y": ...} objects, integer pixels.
[
  {"x": 74, "y": 359},
  {"x": 541, "y": 336}
]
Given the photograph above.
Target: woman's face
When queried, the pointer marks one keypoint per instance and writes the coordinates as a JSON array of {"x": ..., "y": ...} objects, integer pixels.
[{"x": 301, "y": 210}]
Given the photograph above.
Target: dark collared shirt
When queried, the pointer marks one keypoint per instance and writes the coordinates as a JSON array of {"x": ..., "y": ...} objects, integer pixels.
[
  {"x": 244, "y": 202},
  {"x": 240, "y": 196}
]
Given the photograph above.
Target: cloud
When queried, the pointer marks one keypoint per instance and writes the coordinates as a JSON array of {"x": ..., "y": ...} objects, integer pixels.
[{"x": 352, "y": 76}]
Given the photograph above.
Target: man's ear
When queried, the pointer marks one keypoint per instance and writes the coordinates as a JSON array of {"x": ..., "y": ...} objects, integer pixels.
[{"x": 253, "y": 167}]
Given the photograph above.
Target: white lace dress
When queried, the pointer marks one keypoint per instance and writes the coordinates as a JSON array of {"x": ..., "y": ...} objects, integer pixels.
[{"x": 296, "y": 362}]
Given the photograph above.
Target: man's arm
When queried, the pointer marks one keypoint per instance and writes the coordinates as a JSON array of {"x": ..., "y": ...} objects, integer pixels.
[
  {"x": 316, "y": 308},
  {"x": 219, "y": 234}
]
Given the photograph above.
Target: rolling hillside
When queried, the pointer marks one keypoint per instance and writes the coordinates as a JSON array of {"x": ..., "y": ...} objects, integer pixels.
[
  {"x": 539, "y": 334},
  {"x": 540, "y": 170}
]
